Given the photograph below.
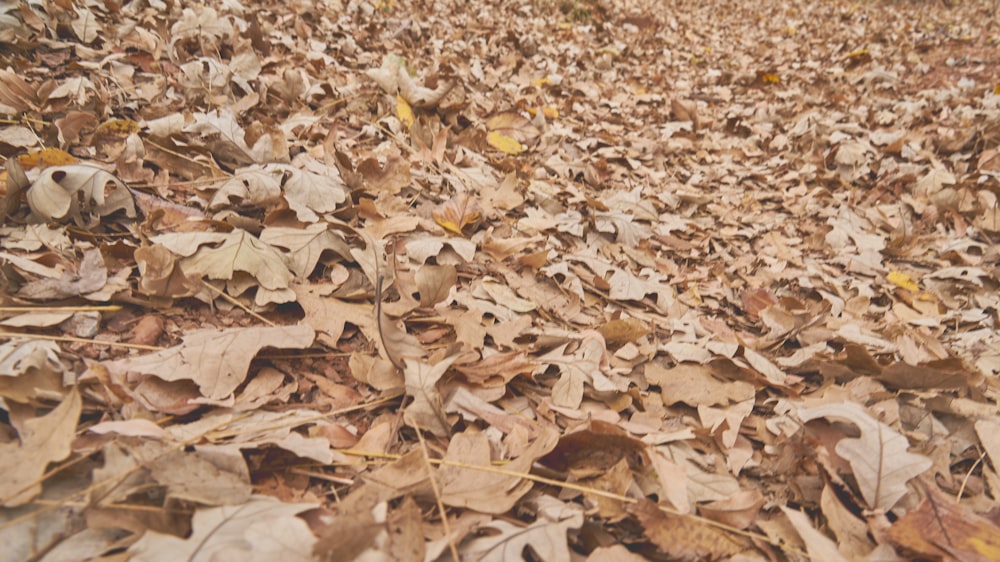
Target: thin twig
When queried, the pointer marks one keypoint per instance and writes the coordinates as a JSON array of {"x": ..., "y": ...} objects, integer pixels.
[{"x": 437, "y": 493}]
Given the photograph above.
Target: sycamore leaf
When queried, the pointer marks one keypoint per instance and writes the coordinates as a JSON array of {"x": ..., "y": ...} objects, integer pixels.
[
  {"x": 262, "y": 529},
  {"x": 216, "y": 360},
  {"x": 879, "y": 457},
  {"x": 43, "y": 440}
]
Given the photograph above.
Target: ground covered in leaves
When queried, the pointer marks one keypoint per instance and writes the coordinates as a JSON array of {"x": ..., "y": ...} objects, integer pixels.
[{"x": 539, "y": 279}]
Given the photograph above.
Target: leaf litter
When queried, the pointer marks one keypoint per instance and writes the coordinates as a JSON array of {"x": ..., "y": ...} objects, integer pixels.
[{"x": 408, "y": 280}]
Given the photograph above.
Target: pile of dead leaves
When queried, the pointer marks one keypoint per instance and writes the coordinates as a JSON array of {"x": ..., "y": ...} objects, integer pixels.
[{"x": 541, "y": 280}]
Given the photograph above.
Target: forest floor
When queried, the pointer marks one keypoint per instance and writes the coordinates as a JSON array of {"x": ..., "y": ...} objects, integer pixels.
[{"x": 551, "y": 280}]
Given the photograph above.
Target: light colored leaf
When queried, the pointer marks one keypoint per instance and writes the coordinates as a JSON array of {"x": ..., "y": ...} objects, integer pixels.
[
  {"x": 820, "y": 547},
  {"x": 262, "y": 529},
  {"x": 78, "y": 192},
  {"x": 879, "y": 457},
  {"x": 546, "y": 536},
  {"x": 427, "y": 409},
  {"x": 43, "y": 440},
  {"x": 216, "y": 360}
]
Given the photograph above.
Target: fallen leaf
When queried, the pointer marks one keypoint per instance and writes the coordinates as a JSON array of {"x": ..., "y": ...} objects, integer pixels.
[
  {"x": 216, "y": 360},
  {"x": 546, "y": 536},
  {"x": 78, "y": 192},
  {"x": 42, "y": 440},
  {"x": 684, "y": 538},
  {"x": 940, "y": 529},
  {"x": 457, "y": 213},
  {"x": 879, "y": 457},
  {"x": 262, "y": 529},
  {"x": 820, "y": 547},
  {"x": 427, "y": 409}
]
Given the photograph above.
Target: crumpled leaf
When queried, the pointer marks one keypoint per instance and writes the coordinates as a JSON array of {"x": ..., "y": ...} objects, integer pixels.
[
  {"x": 91, "y": 277},
  {"x": 587, "y": 364},
  {"x": 427, "y": 409},
  {"x": 455, "y": 214},
  {"x": 394, "y": 78},
  {"x": 78, "y": 192},
  {"x": 546, "y": 536},
  {"x": 262, "y": 529},
  {"x": 487, "y": 492},
  {"x": 820, "y": 547},
  {"x": 939, "y": 529},
  {"x": 684, "y": 538},
  {"x": 43, "y": 440},
  {"x": 879, "y": 457},
  {"x": 306, "y": 245},
  {"x": 216, "y": 360},
  {"x": 237, "y": 251}
]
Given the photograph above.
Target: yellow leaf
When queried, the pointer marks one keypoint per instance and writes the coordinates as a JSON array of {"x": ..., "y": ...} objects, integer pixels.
[
  {"x": 46, "y": 157},
  {"x": 548, "y": 111},
  {"x": 503, "y": 143},
  {"x": 403, "y": 111},
  {"x": 902, "y": 280},
  {"x": 457, "y": 213}
]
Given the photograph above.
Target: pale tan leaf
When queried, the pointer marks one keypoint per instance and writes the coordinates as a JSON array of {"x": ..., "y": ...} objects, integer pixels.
[
  {"x": 43, "y": 440},
  {"x": 262, "y": 529},
  {"x": 78, "y": 192},
  {"x": 879, "y": 457},
  {"x": 820, "y": 547},
  {"x": 546, "y": 536},
  {"x": 216, "y": 360},
  {"x": 427, "y": 409}
]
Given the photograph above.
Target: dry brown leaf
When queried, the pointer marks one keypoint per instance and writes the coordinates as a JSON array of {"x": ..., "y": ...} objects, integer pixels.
[
  {"x": 940, "y": 529},
  {"x": 261, "y": 529},
  {"x": 78, "y": 192},
  {"x": 42, "y": 440},
  {"x": 684, "y": 538},
  {"x": 487, "y": 492},
  {"x": 879, "y": 458},
  {"x": 458, "y": 213},
  {"x": 216, "y": 360}
]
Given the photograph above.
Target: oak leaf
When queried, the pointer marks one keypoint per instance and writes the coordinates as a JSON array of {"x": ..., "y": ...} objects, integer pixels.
[
  {"x": 216, "y": 360},
  {"x": 879, "y": 457}
]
